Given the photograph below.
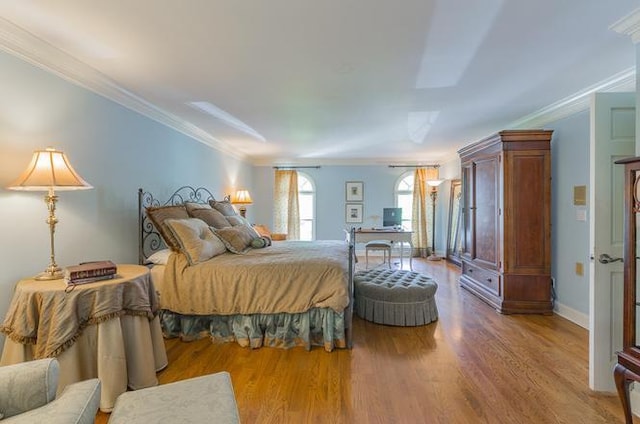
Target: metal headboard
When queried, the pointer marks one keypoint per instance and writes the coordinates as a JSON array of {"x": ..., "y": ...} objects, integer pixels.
[{"x": 149, "y": 239}]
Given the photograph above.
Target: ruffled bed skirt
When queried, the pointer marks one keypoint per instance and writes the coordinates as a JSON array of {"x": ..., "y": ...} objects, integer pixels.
[{"x": 316, "y": 327}]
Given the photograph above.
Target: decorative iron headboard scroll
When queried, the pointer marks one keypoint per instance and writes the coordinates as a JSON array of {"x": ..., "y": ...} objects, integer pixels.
[{"x": 149, "y": 239}]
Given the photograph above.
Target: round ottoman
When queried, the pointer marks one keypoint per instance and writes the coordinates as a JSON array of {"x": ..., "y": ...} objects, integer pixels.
[{"x": 395, "y": 297}]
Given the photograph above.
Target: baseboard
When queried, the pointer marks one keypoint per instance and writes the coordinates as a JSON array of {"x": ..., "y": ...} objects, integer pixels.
[{"x": 572, "y": 315}]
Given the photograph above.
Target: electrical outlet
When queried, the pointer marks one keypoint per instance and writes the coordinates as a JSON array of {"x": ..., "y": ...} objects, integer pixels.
[{"x": 579, "y": 268}]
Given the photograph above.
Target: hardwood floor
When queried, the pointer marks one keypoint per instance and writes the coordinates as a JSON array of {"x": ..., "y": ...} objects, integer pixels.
[{"x": 472, "y": 366}]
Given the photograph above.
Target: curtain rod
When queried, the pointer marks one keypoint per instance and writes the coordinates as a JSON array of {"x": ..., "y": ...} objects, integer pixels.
[
  {"x": 414, "y": 166},
  {"x": 296, "y": 167}
]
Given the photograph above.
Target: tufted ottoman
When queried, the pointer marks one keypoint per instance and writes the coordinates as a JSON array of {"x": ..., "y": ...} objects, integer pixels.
[{"x": 395, "y": 297}]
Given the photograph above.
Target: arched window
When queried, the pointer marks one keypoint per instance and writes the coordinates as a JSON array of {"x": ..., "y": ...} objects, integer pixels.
[
  {"x": 404, "y": 197},
  {"x": 307, "y": 204}
]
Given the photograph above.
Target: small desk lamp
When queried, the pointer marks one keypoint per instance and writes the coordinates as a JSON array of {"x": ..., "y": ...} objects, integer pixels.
[
  {"x": 242, "y": 198},
  {"x": 49, "y": 170},
  {"x": 434, "y": 195}
]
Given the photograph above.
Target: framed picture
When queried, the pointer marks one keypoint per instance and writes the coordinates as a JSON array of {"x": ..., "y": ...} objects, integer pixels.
[
  {"x": 353, "y": 212},
  {"x": 354, "y": 191}
]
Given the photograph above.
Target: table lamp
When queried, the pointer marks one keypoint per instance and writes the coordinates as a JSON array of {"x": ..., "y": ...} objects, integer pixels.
[
  {"x": 49, "y": 171},
  {"x": 242, "y": 198}
]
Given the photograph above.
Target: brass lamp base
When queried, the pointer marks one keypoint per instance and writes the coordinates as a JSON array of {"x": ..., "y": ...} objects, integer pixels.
[{"x": 51, "y": 273}]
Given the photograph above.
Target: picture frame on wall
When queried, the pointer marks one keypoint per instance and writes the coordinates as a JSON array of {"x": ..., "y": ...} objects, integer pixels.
[
  {"x": 354, "y": 191},
  {"x": 353, "y": 213}
]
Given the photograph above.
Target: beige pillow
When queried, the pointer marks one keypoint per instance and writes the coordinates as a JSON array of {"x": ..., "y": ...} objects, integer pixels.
[
  {"x": 224, "y": 207},
  {"x": 238, "y": 220},
  {"x": 160, "y": 214},
  {"x": 191, "y": 206},
  {"x": 237, "y": 239},
  {"x": 209, "y": 215},
  {"x": 196, "y": 239}
]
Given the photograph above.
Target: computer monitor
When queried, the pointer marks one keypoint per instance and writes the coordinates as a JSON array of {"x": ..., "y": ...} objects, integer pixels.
[{"x": 392, "y": 217}]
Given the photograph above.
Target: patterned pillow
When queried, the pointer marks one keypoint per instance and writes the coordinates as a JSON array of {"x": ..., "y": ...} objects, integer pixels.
[
  {"x": 224, "y": 207},
  {"x": 206, "y": 213},
  {"x": 196, "y": 239},
  {"x": 260, "y": 242},
  {"x": 159, "y": 214},
  {"x": 237, "y": 239}
]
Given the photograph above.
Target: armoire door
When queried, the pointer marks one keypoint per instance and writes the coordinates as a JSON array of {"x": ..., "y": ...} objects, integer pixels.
[
  {"x": 467, "y": 209},
  {"x": 486, "y": 212}
]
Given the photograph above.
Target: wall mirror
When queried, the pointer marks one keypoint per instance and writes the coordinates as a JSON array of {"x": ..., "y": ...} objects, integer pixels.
[{"x": 454, "y": 234}]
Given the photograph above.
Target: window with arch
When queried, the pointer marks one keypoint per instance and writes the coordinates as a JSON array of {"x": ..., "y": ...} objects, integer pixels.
[
  {"x": 404, "y": 197},
  {"x": 307, "y": 204}
]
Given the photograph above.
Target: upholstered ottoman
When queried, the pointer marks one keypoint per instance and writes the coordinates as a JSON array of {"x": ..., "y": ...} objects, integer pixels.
[
  {"x": 395, "y": 297},
  {"x": 207, "y": 399}
]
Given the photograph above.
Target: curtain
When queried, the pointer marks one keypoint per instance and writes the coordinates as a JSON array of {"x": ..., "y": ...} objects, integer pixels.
[
  {"x": 420, "y": 217},
  {"x": 286, "y": 213}
]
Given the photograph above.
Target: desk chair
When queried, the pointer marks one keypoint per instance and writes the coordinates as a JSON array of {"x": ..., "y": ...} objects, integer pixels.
[{"x": 380, "y": 245}]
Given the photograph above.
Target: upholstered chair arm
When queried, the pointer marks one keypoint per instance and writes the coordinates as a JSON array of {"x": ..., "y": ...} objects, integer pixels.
[
  {"x": 27, "y": 385},
  {"x": 77, "y": 404}
]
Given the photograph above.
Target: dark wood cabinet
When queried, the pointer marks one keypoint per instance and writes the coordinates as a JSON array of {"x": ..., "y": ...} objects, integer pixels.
[
  {"x": 506, "y": 222},
  {"x": 628, "y": 367}
]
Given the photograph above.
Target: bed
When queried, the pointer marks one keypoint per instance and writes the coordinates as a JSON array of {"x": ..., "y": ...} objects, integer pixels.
[{"x": 286, "y": 294}]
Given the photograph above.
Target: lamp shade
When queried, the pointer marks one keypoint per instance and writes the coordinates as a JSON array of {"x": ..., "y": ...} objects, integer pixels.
[
  {"x": 433, "y": 176},
  {"x": 242, "y": 197},
  {"x": 49, "y": 169}
]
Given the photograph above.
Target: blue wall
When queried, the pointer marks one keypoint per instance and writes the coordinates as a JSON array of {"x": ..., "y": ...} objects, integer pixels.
[
  {"x": 114, "y": 149},
  {"x": 379, "y": 183},
  {"x": 570, "y": 237}
]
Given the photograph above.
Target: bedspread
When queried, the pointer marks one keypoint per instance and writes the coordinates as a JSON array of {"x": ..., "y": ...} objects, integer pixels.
[{"x": 290, "y": 276}]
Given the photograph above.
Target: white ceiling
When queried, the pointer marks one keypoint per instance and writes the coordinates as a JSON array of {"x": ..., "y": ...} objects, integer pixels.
[{"x": 331, "y": 81}]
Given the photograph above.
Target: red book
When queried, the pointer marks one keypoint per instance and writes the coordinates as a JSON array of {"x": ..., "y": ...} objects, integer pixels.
[{"x": 89, "y": 270}]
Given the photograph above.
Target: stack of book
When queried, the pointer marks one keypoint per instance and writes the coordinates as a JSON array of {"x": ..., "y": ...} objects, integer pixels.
[{"x": 88, "y": 272}]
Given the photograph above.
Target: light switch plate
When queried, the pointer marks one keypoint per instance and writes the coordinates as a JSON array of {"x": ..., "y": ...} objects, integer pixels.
[{"x": 581, "y": 214}]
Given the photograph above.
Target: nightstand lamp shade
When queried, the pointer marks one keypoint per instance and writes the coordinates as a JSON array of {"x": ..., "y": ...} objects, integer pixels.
[
  {"x": 50, "y": 171},
  {"x": 242, "y": 197}
]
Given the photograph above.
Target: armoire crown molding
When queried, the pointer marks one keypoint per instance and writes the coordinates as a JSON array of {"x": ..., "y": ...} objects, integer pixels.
[{"x": 26, "y": 46}]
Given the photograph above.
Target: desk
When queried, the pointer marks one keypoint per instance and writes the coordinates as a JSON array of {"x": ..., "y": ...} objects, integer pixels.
[
  {"x": 365, "y": 235},
  {"x": 107, "y": 329}
]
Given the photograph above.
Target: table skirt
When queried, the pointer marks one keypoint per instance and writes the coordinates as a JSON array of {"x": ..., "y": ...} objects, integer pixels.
[{"x": 122, "y": 352}]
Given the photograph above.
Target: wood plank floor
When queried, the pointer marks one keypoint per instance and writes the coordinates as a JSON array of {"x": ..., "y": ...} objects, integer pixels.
[{"x": 472, "y": 366}]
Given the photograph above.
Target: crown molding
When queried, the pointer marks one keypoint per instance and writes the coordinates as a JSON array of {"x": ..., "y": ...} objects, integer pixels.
[
  {"x": 20, "y": 43},
  {"x": 578, "y": 102},
  {"x": 629, "y": 25},
  {"x": 26, "y": 46},
  {"x": 399, "y": 161}
]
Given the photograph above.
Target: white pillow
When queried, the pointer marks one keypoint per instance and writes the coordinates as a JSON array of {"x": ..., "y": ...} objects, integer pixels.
[
  {"x": 161, "y": 257},
  {"x": 196, "y": 239}
]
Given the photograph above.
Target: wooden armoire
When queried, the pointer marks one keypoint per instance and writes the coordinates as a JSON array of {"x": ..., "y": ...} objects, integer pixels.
[{"x": 506, "y": 242}]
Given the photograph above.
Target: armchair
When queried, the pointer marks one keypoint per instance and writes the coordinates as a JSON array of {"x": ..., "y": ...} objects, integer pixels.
[{"x": 28, "y": 395}]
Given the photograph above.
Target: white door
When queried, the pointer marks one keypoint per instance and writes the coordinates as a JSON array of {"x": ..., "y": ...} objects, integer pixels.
[{"x": 612, "y": 137}]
